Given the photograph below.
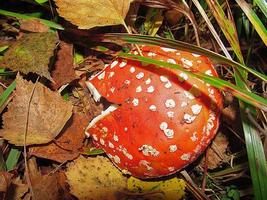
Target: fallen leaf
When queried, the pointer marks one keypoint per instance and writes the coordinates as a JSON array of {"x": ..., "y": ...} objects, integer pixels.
[
  {"x": 88, "y": 14},
  {"x": 171, "y": 189},
  {"x": 217, "y": 152},
  {"x": 48, "y": 113},
  {"x": 5, "y": 180},
  {"x": 33, "y": 25},
  {"x": 95, "y": 179},
  {"x": 64, "y": 68},
  {"x": 63, "y": 186},
  {"x": 89, "y": 65},
  {"x": 66, "y": 146},
  {"x": 17, "y": 189},
  {"x": 31, "y": 53}
]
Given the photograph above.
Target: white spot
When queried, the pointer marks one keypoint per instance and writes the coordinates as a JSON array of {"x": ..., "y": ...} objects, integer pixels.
[
  {"x": 197, "y": 149},
  {"x": 183, "y": 104},
  {"x": 171, "y": 169},
  {"x": 168, "y": 49},
  {"x": 113, "y": 64},
  {"x": 125, "y": 129},
  {"x": 168, "y": 85},
  {"x": 189, "y": 118},
  {"x": 127, "y": 82},
  {"x": 163, "y": 126},
  {"x": 150, "y": 89},
  {"x": 146, "y": 164},
  {"x": 112, "y": 89},
  {"x": 123, "y": 64},
  {"x": 195, "y": 55},
  {"x": 172, "y": 61},
  {"x": 135, "y": 102},
  {"x": 132, "y": 69},
  {"x": 111, "y": 74},
  {"x": 199, "y": 61},
  {"x": 186, "y": 156},
  {"x": 164, "y": 79},
  {"x": 148, "y": 150},
  {"x": 115, "y": 138},
  {"x": 170, "y": 103},
  {"x": 170, "y": 114},
  {"x": 178, "y": 53},
  {"x": 136, "y": 53},
  {"x": 196, "y": 109},
  {"x": 95, "y": 137},
  {"x": 207, "y": 84},
  {"x": 110, "y": 145},
  {"x": 148, "y": 81},
  {"x": 151, "y": 54},
  {"x": 187, "y": 62},
  {"x": 188, "y": 95},
  {"x": 105, "y": 129},
  {"x": 129, "y": 156},
  {"x": 101, "y": 76},
  {"x": 140, "y": 75},
  {"x": 117, "y": 159},
  {"x": 169, "y": 133},
  {"x": 125, "y": 171},
  {"x": 208, "y": 72},
  {"x": 211, "y": 91},
  {"x": 138, "y": 89},
  {"x": 152, "y": 108},
  {"x": 173, "y": 148},
  {"x": 194, "y": 137},
  {"x": 102, "y": 142},
  {"x": 183, "y": 77}
]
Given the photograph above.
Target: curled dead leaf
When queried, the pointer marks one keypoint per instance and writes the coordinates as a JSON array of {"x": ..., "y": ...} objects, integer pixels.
[{"x": 48, "y": 113}]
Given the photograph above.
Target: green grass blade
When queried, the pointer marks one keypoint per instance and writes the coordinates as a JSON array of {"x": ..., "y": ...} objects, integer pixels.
[
  {"x": 240, "y": 93},
  {"x": 227, "y": 26},
  {"x": 12, "y": 158},
  {"x": 254, "y": 19},
  {"x": 217, "y": 58},
  {"x": 3, "y": 48},
  {"x": 24, "y": 16},
  {"x": 262, "y": 5},
  {"x": 6, "y": 93}
]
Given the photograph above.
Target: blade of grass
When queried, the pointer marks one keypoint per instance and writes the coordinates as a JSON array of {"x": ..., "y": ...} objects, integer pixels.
[
  {"x": 254, "y": 19},
  {"x": 217, "y": 58},
  {"x": 227, "y": 25},
  {"x": 12, "y": 158},
  {"x": 262, "y": 5},
  {"x": 6, "y": 93},
  {"x": 24, "y": 16},
  {"x": 216, "y": 82}
]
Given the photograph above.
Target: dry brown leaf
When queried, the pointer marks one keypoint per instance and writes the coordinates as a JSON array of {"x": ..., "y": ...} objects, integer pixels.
[
  {"x": 17, "y": 190},
  {"x": 95, "y": 179},
  {"x": 87, "y": 14},
  {"x": 48, "y": 113},
  {"x": 5, "y": 180},
  {"x": 66, "y": 146},
  {"x": 217, "y": 152},
  {"x": 33, "y": 25},
  {"x": 64, "y": 70}
]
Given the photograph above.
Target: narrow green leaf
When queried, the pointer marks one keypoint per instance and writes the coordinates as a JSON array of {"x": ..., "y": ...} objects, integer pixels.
[
  {"x": 217, "y": 58},
  {"x": 238, "y": 92},
  {"x": 41, "y": 1},
  {"x": 6, "y": 93},
  {"x": 3, "y": 48},
  {"x": 262, "y": 5},
  {"x": 12, "y": 158},
  {"x": 254, "y": 19},
  {"x": 23, "y": 16}
]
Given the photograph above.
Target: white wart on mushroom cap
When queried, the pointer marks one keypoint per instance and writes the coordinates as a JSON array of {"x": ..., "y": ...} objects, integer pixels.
[{"x": 166, "y": 118}]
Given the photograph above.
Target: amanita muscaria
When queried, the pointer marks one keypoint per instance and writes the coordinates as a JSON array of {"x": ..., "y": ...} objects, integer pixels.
[{"x": 164, "y": 118}]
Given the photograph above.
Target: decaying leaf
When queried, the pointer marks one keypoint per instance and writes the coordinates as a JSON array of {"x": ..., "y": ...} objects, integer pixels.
[
  {"x": 48, "y": 113},
  {"x": 31, "y": 53},
  {"x": 67, "y": 145},
  {"x": 95, "y": 179},
  {"x": 87, "y": 14},
  {"x": 64, "y": 69},
  {"x": 217, "y": 152},
  {"x": 171, "y": 189},
  {"x": 17, "y": 190},
  {"x": 33, "y": 25}
]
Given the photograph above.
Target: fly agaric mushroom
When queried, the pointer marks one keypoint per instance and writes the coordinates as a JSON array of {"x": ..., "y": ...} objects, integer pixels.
[{"x": 165, "y": 118}]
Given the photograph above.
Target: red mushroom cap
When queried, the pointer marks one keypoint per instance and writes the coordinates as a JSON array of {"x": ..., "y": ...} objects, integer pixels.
[{"x": 166, "y": 118}]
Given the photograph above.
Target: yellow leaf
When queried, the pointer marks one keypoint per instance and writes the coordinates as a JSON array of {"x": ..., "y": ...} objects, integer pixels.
[
  {"x": 171, "y": 189},
  {"x": 87, "y": 14},
  {"x": 48, "y": 113},
  {"x": 95, "y": 179}
]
